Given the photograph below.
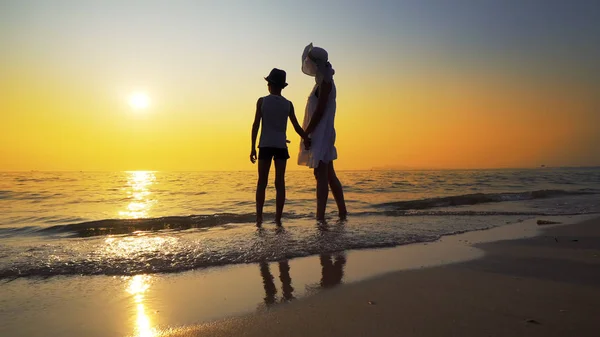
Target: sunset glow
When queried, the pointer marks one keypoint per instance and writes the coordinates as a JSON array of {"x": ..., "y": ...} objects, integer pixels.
[
  {"x": 420, "y": 84},
  {"x": 139, "y": 100}
]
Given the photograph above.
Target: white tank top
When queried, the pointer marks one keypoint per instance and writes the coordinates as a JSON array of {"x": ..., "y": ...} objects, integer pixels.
[{"x": 275, "y": 112}]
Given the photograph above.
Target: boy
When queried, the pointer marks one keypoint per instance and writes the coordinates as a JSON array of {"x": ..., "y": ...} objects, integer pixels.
[{"x": 274, "y": 111}]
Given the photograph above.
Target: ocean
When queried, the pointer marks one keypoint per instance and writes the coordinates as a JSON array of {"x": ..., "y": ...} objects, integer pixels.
[{"x": 144, "y": 222}]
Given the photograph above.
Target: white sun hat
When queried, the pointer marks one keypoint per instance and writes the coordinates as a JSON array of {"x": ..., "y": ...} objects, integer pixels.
[{"x": 316, "y": 54}]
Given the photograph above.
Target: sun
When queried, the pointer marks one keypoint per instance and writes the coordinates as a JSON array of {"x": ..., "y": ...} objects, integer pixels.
[{"x": 139, "y": 100}]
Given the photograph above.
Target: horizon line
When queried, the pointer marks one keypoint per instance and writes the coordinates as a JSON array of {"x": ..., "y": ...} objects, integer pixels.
[{"x": 339, "y": 170}]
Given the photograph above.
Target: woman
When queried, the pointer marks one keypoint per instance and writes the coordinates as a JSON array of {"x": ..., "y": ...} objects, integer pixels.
[{"x": 318, "y": 123}]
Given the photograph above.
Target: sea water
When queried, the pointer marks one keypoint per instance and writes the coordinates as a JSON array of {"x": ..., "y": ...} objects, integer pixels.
[{"x": 128, "y": 223}]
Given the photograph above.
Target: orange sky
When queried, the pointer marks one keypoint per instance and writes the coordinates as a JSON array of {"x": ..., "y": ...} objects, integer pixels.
[{"x": 406, "y": 98}]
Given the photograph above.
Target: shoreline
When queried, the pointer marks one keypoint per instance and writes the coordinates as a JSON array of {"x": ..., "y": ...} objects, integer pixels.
[
  {"x": 184, "y": 304},
  {"x": 546, "y": 284}
]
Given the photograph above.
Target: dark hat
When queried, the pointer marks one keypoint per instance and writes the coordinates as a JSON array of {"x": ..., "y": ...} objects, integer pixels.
[{"x": 277, "y": 78}]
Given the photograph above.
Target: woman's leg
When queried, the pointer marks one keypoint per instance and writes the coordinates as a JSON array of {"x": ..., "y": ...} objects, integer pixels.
[
  {"x": 280, "y": 188},
  {"x": 263, "y": 178},
  {"x": 286, "y": 280},
  {"x": 337, "y": 191},
  {"x": 322, "y": 189}
]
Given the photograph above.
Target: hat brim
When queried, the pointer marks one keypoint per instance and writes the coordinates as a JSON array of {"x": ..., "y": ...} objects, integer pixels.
[
  {"x": 306, "y": 51},
  {"x": 279, "y": 85}
]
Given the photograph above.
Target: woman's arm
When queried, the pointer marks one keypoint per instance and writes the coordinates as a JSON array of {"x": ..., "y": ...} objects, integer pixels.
[
  {"x": 324, "y": 91},
  {"x": 255, "y": 126}
]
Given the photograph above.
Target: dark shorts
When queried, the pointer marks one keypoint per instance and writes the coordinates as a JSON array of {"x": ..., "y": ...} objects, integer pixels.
[{"x": 269, "y": 153}]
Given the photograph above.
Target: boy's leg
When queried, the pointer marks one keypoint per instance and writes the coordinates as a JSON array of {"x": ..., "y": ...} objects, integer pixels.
[
  {"x": 337, "y": 191},
  {"x": 322, "y": 189},
  {"x": 264, "y": 166},
  {"x": 280, "y": 165},
  {"x": 268, "y": 284}
]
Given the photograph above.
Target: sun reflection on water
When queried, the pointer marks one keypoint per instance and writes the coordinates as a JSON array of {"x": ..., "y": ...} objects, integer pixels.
[
  {"x": 138, "y": 285},
  {"x": 138, "y": 247},
  {"x": 139, "y": 194}
]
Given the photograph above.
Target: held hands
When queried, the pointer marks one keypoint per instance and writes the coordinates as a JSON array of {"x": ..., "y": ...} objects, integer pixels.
[
  {"x": 307, "y": 143},
  {"x": 253, "y": 156}
]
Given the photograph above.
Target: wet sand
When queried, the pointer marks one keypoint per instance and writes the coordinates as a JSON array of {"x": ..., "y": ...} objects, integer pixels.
[{"x": 547, "y": 285}]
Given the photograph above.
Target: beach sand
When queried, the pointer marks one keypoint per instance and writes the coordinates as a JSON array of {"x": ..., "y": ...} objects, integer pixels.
[
  {"x": 515, "y": 280},
  {"x": 547, "y": 285}
]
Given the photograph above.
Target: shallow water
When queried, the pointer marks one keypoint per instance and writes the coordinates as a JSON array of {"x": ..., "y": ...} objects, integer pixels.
[{"x": 126, "y": 223}]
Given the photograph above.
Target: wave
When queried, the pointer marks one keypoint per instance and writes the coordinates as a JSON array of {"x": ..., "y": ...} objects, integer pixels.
[
  {"x": 14, "y": 195},
  {"x": 173, "y": 252},
  {"x": 178, "y": 243},
  {"x": 478, "y": 198},
  {"x": 8, "y": 232},
  {"x": 127, "y": 226},
  {"x": 178, "y": 262},
  {"x": 422, "y": 207},
  {"x": 177, "y": 252}
]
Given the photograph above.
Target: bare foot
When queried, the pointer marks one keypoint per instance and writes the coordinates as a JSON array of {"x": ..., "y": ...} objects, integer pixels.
[
  {"x": 322, "y": 227},
  {"x": 343, "y": 215}
]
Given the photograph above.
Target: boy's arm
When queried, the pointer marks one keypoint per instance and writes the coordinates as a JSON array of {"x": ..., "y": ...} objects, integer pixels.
[
  {"x": 255, "y": 126},
  {"x": 295, "y": 123},
  {"x": 324, "y": 90},
  {"x": 298, "y": 128}
]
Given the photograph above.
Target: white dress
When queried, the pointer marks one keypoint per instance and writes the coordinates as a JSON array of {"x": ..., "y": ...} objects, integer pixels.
[{"x": 323, "y": 137}]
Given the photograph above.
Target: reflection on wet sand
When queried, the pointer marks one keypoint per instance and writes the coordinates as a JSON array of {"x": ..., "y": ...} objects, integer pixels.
[
  {"x": 286, "y": 281},
  {"x": 332, "y": 274},
  {"x": 269, "y": 284},
  {"x": 332, "y": 269},
  {"x": 138, "y": 285}
]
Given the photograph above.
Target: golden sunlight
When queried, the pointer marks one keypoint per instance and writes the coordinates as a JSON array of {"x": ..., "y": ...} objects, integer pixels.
[
  {"x": 137, "y": 287},
  {"x": 139, "y": 100},
  {"x": 138, "y": 194}
]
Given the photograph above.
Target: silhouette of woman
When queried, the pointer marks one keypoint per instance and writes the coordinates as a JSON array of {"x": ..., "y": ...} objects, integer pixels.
[
  {"x": 332, "y": 269},
  {"x": 319, "y": 120}
]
